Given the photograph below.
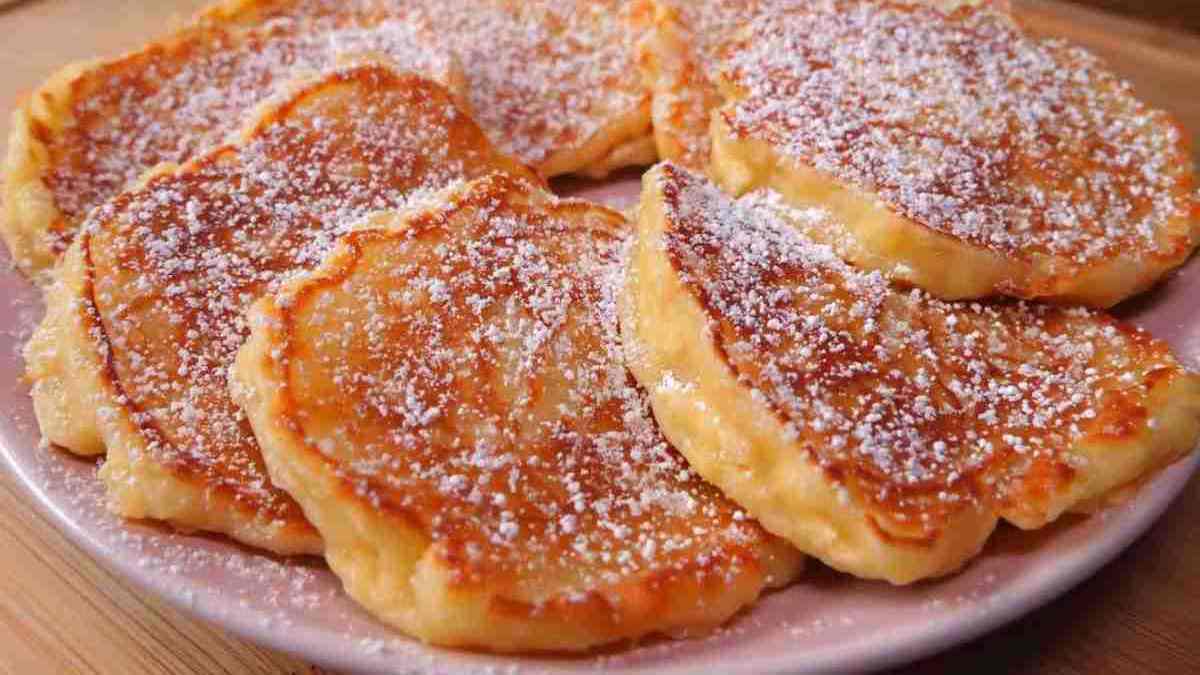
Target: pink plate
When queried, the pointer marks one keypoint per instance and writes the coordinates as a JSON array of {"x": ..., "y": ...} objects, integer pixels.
[{"x": 824, "y": 622}]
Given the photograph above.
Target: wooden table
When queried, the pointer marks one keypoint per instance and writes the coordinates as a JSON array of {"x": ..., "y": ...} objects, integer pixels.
[
  {"x": 60, "y": 612},
  {"x": 1183, "y": 14}
]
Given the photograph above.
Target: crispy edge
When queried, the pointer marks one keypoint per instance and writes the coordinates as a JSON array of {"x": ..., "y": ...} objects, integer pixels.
[
  {"x": 1114, "y": 466},
  {"x": 873, "y": 235},
  {"x": 140, "y": 487},
  {"x": 30, "y": 211},
  {"x": 876, "y": 237},
  {"x": 616, "y": 145},
  {"x": 76, "y": 403},
  {"x": 682, "y": 96},
  {"x": 78, "y": 408},
  {"x": 62, "y": 359},
  {"x": 137, "y": 487},
  {"x": 64, "y": 366},
  {"x": 64, "y": 363},
  {"x": 725, "y": 433},
  {"x": 391, "y": 567},
  {"x": 623, "y": 139},
  {"x": 863, "y": 229}
]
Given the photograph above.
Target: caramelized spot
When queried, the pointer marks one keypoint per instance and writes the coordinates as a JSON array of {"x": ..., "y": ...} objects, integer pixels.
[
  {"x": 924, "y": 541},
  {"x": 173, "y": 265},
  {"x": 918, "y": 408},
  {"x": 172, "y": 100},
  {"x": 465, "y": 373},
  {"x": 541, "y": 77}
]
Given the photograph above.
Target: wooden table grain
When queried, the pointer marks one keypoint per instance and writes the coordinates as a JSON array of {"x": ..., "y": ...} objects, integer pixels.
[{"x": 60, "y": 612}]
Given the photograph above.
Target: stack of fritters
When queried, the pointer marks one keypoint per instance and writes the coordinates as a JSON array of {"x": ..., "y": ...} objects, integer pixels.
[{"x": 315, "y": 294}]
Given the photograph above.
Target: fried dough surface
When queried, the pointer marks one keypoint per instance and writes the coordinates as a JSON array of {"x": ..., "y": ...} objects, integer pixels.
[
  {"x": 879, "y": 429},
  {"x": 93, "y": 129},
  {"x": 554, "y": 84},
  {"x": 960, "y": 154},
  {"x": 446, "y": 398},
  {"x": 146, "y": 314},
  {"x": 680, "y": 60},
  {"x": 681, "y": 55}
]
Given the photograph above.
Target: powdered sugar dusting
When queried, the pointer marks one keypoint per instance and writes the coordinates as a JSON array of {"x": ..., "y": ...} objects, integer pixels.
[
  {"x": 479, "y": 353},
  {"x": 171, "y": 101},
  {"x": 541, "y": 77},
  {"x": 685, "y": 53},
  {"x": 964, "y": 124},
  {"x": 916, "y": 405},
  {"x": 546, "y": 75},
  {"x": 176, "y": 263}
]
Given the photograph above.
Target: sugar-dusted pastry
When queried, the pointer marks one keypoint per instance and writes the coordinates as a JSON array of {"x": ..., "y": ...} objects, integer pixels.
[
  {"x": 147, "y": 310},
  {"x": 680, "y": 59},
  {"x": 447, "y": 399},
  {"x": 553, "y": 82},
  {"x": 875, "y": 427},
  {"x": 94, "y": 128},
  {"x": 958, "y": 153},
  {"x": 681, "y": 55}
]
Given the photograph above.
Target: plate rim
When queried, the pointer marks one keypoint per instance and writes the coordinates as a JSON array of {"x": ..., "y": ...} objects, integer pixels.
[{"x": 903, "y": 646}]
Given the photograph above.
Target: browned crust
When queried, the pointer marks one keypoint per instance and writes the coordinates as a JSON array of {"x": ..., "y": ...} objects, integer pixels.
[
  {"x": 1121, "y": 417},
  {"x": 645, "y": 596},
  {"x": 1047, "y": 276},
  {"x": 183, "y": 466}
]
